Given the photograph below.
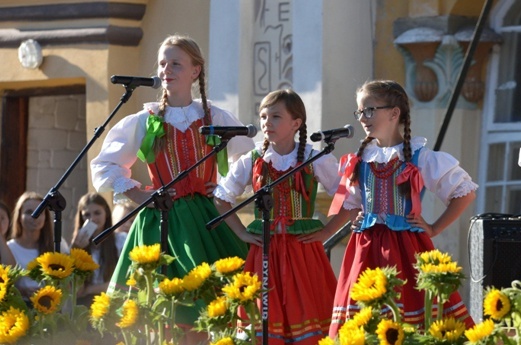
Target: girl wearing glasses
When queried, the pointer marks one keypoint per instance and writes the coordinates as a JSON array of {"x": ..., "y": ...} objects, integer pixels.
[{"x": 380, "y": 193}]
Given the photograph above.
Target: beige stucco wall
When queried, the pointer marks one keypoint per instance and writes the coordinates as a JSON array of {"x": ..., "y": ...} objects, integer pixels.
[{"x": 357, "y": 45}]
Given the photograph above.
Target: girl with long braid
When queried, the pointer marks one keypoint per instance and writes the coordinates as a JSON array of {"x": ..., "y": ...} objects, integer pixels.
[
  {"x": 381, "y": 191},
  {"x": 301, "y": 281},
  {"x": 165, "y": 135}
]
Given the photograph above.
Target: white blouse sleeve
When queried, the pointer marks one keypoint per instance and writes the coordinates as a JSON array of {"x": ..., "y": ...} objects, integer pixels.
[
  {"x": 353, "y": 199},
  {"x": 238, "y": 145},
  {"x": 238, "y": 178},
  {"x": 443, "y": 175},
  {"x": 326, "y": 171},
  {"x": 111, "y": 168}
]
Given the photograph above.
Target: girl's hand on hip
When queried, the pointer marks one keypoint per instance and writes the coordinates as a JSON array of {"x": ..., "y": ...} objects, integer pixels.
[
  {"x": 210, "y": 187},
  {"x": 139, "y": 195},
  {"x": 251, "y": 238},
  {"x": 357, "y": 222},
  {"x": 417, "y": 221},
  {"x": 313, "y": 237}
]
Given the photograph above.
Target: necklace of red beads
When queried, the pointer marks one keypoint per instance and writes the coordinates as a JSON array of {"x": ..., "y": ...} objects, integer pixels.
[{"x": 387, "y": 169}]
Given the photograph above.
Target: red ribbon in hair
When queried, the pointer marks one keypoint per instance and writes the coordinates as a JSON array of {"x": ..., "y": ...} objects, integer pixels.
[
  {"x": 346, "y": 167},
  {"x": 412, "y": 174}
]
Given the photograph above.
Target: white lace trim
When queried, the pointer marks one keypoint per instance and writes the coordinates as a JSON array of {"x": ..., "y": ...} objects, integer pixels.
[
  {"x": 463, "y": 189},
  {"x": 221, "y": 193},
  {"x": 122, "y": 184},
  {"x": 284, "y": 162},
  {"x": 179, "y": 117},
  {"x": 374, "y": 153}
]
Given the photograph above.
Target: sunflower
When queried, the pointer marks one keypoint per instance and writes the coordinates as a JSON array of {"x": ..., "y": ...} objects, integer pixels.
[
  {"x": 217, "y": 307},
  {"x": 223, "y": 341},
  {"x": 450, "y": 267},
  {"x": 100, "y": 306},
  {"x": 14, "y": 324},
  {"x": 370, "y": 286},
  {"x": 33, "y": 267},
  {"x": 130, "y": 314},
  {"x": 448, "y": 329},
  {"x": 326, "y": 341},
  {"x": 172, "y": 287},
  {"x": 83, "y": 261},
  {"x": 196, "y": 277},
  {"x": 131, "y": 281},
  {"x": 56, "y": 265},
  {"x": 146, "y": 254},
  {"x": 243, "y": 288},
  {"x": 33, "y": 264},
  {"x": 229, "y": 265},
  {"x": 363, "y": 317},
  {"x": 4, "y": 274},
  {"x": 496, "y": 304},
  {"x": 350, "y": 334},
  {"x": 390, "y": 333},
  {"x": 435, "y": 256},
  {"x": 4, "y": 281},
  {"x": 47, "y": 299},
  {"x": 3, "y": 291},
  {"x": 438, "y": 274},
  {"x": 480, "y": 331}
]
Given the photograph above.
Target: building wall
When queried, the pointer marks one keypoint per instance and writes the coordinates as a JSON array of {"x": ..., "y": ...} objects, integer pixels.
[
  {"x": 337, "y": 45},
  {"x": 55, "y": 138}
]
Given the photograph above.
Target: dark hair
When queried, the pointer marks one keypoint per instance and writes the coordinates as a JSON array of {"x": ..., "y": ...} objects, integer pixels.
[
  {"x": 108, "y": 245},
  {"x": 45, "y": 242},
  {"x": 392, "y": 93},
  {"x": 3, "y": 206},
  {"x": 189, "y": 46}
]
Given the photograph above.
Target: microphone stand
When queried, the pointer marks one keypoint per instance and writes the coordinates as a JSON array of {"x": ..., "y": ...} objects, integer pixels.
[
  {"x": 336, "y": 237},
  {"x": 163, "y": 202},
  {"x": 53, "y": 198},
  {"x": 264, "y": 202}
]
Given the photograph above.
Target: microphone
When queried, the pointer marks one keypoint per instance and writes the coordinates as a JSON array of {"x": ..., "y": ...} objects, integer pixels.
[
  {"x": 227, "y": 132},
  {"x": 153, "y": 82},
  {"x": 333, "y": 134}
]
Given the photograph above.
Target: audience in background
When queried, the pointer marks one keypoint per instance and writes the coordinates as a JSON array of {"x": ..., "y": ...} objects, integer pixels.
[
  {"x": 92, "y": 217},
  {"x": 6, "y": 257},
  {"x": 31, "y": 237}
]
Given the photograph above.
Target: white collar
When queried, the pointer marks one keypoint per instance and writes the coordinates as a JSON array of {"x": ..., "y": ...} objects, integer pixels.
[
  {"x": 283, "y": 162},
  {"x": 179, "y": 117},
  {"x": 374, "y": 153}
]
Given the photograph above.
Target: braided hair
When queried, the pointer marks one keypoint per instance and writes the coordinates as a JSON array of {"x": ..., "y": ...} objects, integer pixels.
[
  {"x": 392, "y": 93},
  {"x": 189, "y": 46},
  {"x": 295, "y": 106}
]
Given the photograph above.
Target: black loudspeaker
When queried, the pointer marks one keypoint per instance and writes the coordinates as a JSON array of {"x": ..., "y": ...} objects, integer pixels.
[{"x": 495, "y": 259}]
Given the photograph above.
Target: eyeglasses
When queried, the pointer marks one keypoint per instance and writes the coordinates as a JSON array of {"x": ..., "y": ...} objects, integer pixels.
[{"x": 369, "y": 111}]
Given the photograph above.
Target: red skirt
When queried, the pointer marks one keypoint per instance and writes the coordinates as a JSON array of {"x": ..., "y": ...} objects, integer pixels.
[
  {"x": 301, "y": 290},
  {"x": 379, "y": 246}
]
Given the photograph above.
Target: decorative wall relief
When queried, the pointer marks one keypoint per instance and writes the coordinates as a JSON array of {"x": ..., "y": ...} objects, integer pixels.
[
  {"x": 433, "y": 63},
  {"x": 272, "y": 46}
]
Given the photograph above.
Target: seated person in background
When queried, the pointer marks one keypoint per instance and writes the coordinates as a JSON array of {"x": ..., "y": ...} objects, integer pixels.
[
  {"x": 92, "y": 217},
  {"x": 6, "y": 257},
  {"x": 118, "y": 212},
  {"x": 31, "y": 237}
]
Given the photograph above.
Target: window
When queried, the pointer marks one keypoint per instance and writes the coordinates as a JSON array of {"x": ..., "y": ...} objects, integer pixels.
[{"x": 500, "y": 174}]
